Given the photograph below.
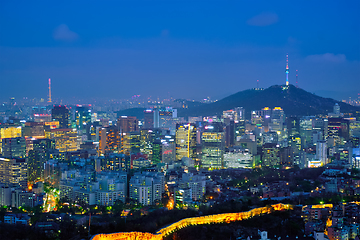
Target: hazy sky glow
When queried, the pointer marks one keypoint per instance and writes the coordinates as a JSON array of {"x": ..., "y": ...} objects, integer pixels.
[{"x": 188, "y": 49}]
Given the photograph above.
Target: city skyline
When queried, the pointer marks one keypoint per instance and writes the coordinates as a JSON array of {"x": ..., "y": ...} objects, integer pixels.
[{"x": 177, "y": 49}]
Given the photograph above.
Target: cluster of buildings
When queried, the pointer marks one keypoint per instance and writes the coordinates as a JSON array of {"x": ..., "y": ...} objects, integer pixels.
[
  {"x": 95, "y": 158},
  {"x": 339, "y": 222}
]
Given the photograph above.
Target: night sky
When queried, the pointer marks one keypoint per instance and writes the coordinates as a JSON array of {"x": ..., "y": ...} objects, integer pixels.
[{"x": 182, "y": 49}]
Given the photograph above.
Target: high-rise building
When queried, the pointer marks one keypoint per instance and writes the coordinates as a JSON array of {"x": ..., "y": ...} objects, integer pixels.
[
  {"x": 166, "y": 119},
  {"x": 213, "y": 146},
  {"x": 61, "y": 114},
  {"x": 34, "y": 130},
  {"x": 9, "y": 131},
  {"x": 131, "y": 143},
  {"x": 109, "y": 140},
  {"x": 236, "y": 114},
  {"x": 185, "y": 141},
  {"x": 37, "y": 157},
  {"x": 127, "y": 124},
  {"x": 14, "y": 147},
  {"x": 271, "y": 155},
  {"x": 150, "y": 119},
  {"x": 277, "y": 119},
  {"x": 13, "y": 172},
  {"x": 229, "y": 132},
  {"x": 168, "y": 150},
  {"x": 153, "y": 141},
  {"x": 239, "y": 129},
  {"x": 321, "y": 152},
  {"x": 82, "y": 117},
  {"x": 338, "y": 130},
  {"x": 65, "y": 139}
]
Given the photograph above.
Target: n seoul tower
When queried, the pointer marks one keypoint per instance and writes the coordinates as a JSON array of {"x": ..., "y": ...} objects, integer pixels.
[{"x": 287, "y": 70}]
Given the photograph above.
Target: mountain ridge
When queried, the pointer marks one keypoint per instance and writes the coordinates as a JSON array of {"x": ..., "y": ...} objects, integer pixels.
[{"x": 294, "y": 101}]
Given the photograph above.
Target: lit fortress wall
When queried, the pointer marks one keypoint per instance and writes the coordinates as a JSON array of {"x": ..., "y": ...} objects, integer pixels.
[{"x": 217, "y": 218}]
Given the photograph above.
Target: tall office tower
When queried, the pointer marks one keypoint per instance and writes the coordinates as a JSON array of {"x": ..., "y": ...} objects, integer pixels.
[
  {"x": 321, "y": 152},
  {"x": 7, "y": 131},
  {"x": 166, "y": 119},
  {"x": 185, "y": 139},
  {"x": 131, "y": 143},
  {"x": 156, "y": 156},
  {"x": 258, "y": 116},
  {"x": 37, "y": 157},
  {"x": 271, "y": 155},
  {"x": 306, "y": 129},
  {"x": 127, "y": 124},
  {"x": 293, "y": 126},
  {"x": 151, "y": 118},
  {"x": 14, "y": 147},
  {"x": 338, "y": 130},
  {"x": 65, "y": 139},
  {"x": 236, "y": 114},
  {"x": 294, "y": 138},
  {"x": 168, "y": 149},
  {"x": 147, "y": 139},
  {"x": 61, "y": 114},
  {"x": 83, "y": 117},
  {"x": 109, "y": 140},
  {"x": 229, "y": 132},
  {"x": 277, "y": 119},
  {"x": 240, "y": 114},
  {"x": 213, "y": 146},
  {"x": 34, "y": 130},
  {"x": 13, "y": 172},
  {"x": 148, "y": 119},
  {"x": 239, "y": 129}
]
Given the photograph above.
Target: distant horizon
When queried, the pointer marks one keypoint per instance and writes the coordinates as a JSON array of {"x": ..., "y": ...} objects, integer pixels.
[{"x": 74, "y": 100}]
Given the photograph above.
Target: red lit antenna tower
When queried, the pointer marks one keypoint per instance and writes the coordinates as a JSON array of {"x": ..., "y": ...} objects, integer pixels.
[
  {"x": 49, "y": 101},
  {"x": 257, "y": 84},
  {"x": 297, "y": 78}
]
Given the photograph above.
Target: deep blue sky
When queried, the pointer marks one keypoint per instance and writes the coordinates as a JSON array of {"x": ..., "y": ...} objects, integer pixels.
[{"x": 189, "y": 49}]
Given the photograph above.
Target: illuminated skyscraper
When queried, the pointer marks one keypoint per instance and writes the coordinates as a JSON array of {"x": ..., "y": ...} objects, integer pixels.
[
  {"x": 65, "y": 139},
  {"x": 149, "y": 119},
  {"x": 37, "y": 158},
  {"x": 109, "y": 140},
  {"x": 213, "y": 146},
  {"x": 185, "y": 141},
  {"x": 34, "y": 130},
  {"x": 338, "y": 129},
  {"x": 83, "y": 117},
  {"x": 277, "y": 119},
  {"x": 9, "y": 132},
  {"x": 127, "y": 124},
  {"x": 131, "y": 143},
  {"x": 14, "y": 147},
  {"x": 271, "y": 155},
  {"x": 13, "y": 172},
  {"x": 61, "y": 114}
]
